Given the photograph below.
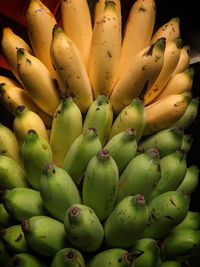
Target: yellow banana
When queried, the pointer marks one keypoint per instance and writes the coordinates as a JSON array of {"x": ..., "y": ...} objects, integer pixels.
[
  {"x": 143, "y": 70},
  {"x": 9, "y": 81},
  {"x": 39, "y": 24},
  {"x": 184, "y": 60},
  {"x": 12, "y": 96},
  {"x": 72, "y": 75},
  {"x": 105, "y": 51},
  {"x": 170, "y": 30},
  {"x": 171, "y": 58},
  {"x": 10, "y": 42},
  {"x": 165, "y": 112},
  {"x": 77, "y": 25},
  {"x": 37, "y": 81},
  {"x": 138, "y": 31}
]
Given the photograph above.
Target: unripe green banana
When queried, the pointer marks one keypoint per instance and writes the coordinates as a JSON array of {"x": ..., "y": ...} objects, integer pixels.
[
  {"x": 25, "y": 260},
  {"x": 123, "y": 147},
  {"x": 36, "y": 153},
  {"x": 140, "y": 175},
  {"x": 192, "y": 221},
  {"x": 100, "y": 184},
  {"x": 5, "y": 219},
  {"x": 172, "y": 176},
  {"x": 83, "y": 228},
  {"x": 126, "y": 222},
  {"x": 166, "y": 211},
  {"x": 45, "y": 235},
  {"x": 187, "y": 142},
  {"x": 58, "y": 191},
  {"x": 100, "y": 117},
  {"x": 84, "y": 147},
  {"x": 166, "y": 141},
  {"x": 68, "y": 257},
  {"x": 132, "y": 116},
  {"x": 5, "y": 257},
  {"x": 171, "y": 264},
  {"x": 22, "y": 203},
  {"x": 114, "y": 257},
  {"x": 180, "y": 244},
  {"x": 11, "y": 174},
  {"x": 13, "y": 238},
  {"x": 190, "y": 181},
  {"x": 66, "y": 127}
]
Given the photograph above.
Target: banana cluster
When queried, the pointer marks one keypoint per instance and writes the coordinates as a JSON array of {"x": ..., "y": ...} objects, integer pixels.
[{"x": 94, "y": 171}]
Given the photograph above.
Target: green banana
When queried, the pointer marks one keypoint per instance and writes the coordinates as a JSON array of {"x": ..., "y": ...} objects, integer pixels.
[
  {"x": 5, "y": 219},
  {"x": 114, "y": 257},
  {"x": 166, "y": 141},
  {"x": 171, "y": 264},
  {"x": 22, "y": 203},
  {"x": 100, "y": 184},
  {"x": 100, "y": 117},
  {"x": 187, "y": 142},
  {"x": 190, "y": 181},
  {"x": 84, "y": 147},
  {"x": 5, "y": 257},
  {"x": 140, "y": 175},
  {"x": 83, "y": 228},
  {"x": 123, "y": 147},
  {"x": 58, "y": 191},
  {"x": 8, "y": 178},
  {"x": 68, "y": 257},
  {"x": 44, "y": 234},
  {"x": 172, "y": 176},
  {"x": 66, "y": 127},
  {"x": 126, "y": 222},
  {"x": 132, "y": 116},
  {"x": 192, "y": 220},
  {"x": 36, "y": 153},
  {"x": 26, "y": 260},
  {"x": 166, "y": 211}
]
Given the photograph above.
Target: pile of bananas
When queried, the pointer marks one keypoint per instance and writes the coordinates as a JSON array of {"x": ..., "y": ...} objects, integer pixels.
[{"x": 94, "y": 171}]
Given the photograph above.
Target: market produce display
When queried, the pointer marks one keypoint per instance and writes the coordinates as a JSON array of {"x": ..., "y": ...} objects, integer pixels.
[{"x": 94, "y": 171}]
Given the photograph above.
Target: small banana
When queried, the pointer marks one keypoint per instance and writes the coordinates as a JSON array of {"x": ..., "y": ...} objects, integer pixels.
[
  {"x": 5, "y": 218},
  {"x": 67, "y": 257},
  {"x": 26, "y": 260},
  {"x": 187, "y": 142},
  {"x": 192, "y": 221},
  {"x": 9, "y": 81},
  {"x": 184, "y": 60}
]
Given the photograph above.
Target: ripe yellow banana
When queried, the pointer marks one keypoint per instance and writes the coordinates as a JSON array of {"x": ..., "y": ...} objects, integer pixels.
[
  {"x": 171, "y": 58},
  {"x": 105, "y": 51},
  {"x": 77, "y": 25},
  {"x": 184, "y": 60},
  {"x": 165, "y": 112},
  {"x": 10, "y": 42},
  {"x": 39, "y": 24},
  {"x": 138, "y": 31},
  {"x": 143, "y": 70},
  {"x": 71, "y": 73},
  {"x": 170, "y": 30},
  {"x": 37, "y": 81},
  {"x": 9, "y": 81}
]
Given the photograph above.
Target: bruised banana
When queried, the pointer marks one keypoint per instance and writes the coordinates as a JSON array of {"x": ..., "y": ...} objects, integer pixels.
[
  {"x": 184, "y": 60},
  {"x": 9, "y": 81},
  {"x": 26, "y": 260}
]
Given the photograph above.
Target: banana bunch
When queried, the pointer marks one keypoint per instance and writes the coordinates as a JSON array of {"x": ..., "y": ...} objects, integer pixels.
[{"x": 95, "y": 170}]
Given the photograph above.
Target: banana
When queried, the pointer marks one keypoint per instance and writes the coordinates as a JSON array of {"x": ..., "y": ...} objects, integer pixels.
[
  {"x": 187, "y": 142},
  {"x": 140, "y": 175},
  {"x": 66, "y": 127},
  {"x": 37, "y": 81},
  {"x": 142, "y": 71},
  {"x": 57, "y": 191},
  {"x": 77, "y": 25},
  {"x": 67, "y": 257},
  {"x": 166, "y": 211},
  {"x": 184, "y": 60},
  {"x": 165, "y": 112},
  {"x": 26, "y": 260},
  {"x": 190, "y": 180},
  {"x": 13, "y": 238},
  {"x": 132, "y": 116},
  {"x": 171, "y": 58},
  {"x": 105, "y": 50},
  {"x": 171, "y": 264},
  {"x": 39, "y": 24},
  {"x": 25, "y": 120},
  {"x": 123, "y": 147},
  {"x": 170, "y": 30},
  {"x": 10, "y": 42},
  {"x": 44, "y": 234},
  {"x": 5, "y": 219},
  {"x": 100, "y": 117},
  {"x": 8, "y": 178},
  {"x": 83, "y": 228},
  {"x": 12, "y": 96},
  {"x": 138, "y": 31},
  {"x": 22, "y": 203},
  {"x": 5, "y": 256},
  {"x": 100, "y": 184},
  {"x": 130, "y": 215},
  {"x": 84, "y": 147},
  {"x": 192, "y": 221},
  {"x": 9, "y": 81},
  {"x": 71, "y": 73},
  {"x": 166, "y": 141}
]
